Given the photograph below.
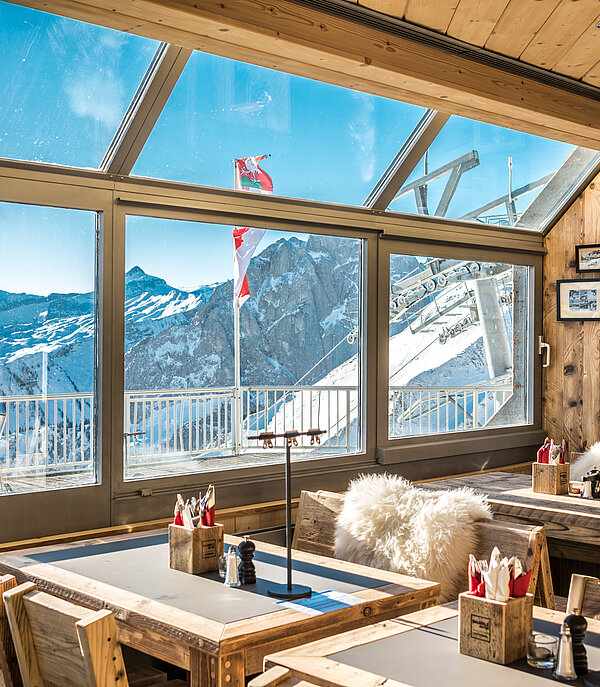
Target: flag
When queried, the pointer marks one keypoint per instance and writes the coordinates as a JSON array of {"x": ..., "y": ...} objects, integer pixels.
[{"x": 248, "y": 177}]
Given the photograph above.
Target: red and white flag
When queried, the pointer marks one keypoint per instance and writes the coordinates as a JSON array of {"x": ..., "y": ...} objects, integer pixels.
[{"x": 248, "y": 177}]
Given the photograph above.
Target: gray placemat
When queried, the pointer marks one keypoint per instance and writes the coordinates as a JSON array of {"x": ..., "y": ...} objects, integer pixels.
[
  {"x": 429, "y": 656},
  {"x": 141, "y": 566}
]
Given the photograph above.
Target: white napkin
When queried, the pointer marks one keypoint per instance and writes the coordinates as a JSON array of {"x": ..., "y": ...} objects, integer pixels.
[
  {"x": 502, "y": 590},
  {"x": 490, "y": 577}
]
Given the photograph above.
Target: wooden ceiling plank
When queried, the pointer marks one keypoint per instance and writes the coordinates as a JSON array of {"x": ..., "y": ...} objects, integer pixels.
[
  {"x": 560, "y": 32},
  {"x": 433, "y": 14},
  {"x": 346, "y": 53},
  {"x": 593, "y": 75},
  {"x": 474, "y": 20},
  {"x": 394, "y": 8},
  {"x": 518, "y": 25},
  {"x": 577, "y": 61}
]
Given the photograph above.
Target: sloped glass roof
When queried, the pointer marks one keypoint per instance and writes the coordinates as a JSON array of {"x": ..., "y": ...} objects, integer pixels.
[
  {"x": 480, "y": 172},
  {"x": 64, "y": 85},
  {"x": 326, "y": 143}
]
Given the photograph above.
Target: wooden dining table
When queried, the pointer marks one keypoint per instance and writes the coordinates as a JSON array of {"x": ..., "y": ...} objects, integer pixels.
[
  {"x": 218, "y": 634},
  {"x": 416, "y": 650}
]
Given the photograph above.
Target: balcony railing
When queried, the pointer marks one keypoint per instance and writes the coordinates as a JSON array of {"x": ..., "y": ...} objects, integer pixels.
[{"x": 55, "y": 434}]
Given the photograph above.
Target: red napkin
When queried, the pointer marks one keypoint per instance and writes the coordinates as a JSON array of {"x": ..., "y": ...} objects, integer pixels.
[
  {"x": 520, "y": 586},
  {"x": 543, "y": 455},
  {"x": 178, "y": 518}
]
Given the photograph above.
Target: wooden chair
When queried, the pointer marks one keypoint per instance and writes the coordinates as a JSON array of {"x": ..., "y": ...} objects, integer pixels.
[
  {"x": 59, "y": 643},
  {"x": 584, "y": 594},
  {"x": 315, "y": 533}
]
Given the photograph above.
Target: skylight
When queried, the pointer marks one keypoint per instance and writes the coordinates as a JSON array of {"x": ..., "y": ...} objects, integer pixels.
[{"x": 64, "y": 85}]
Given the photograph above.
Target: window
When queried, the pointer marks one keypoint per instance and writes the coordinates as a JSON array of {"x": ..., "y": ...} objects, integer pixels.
[
  {"x": 326, "y": 143},
  {"x": 484, "y": 173},
  {"x": 299, "y": 334},
  {"x": 64, "y": 85},
  {"x": 47, "y": 342},
  {"x": 458, "y": 345}
]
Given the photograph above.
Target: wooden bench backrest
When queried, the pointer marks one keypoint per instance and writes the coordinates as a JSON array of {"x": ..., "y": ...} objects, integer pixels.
[
  {"x": 315, "y": 533},
  {"x": 61, "y": 643}
]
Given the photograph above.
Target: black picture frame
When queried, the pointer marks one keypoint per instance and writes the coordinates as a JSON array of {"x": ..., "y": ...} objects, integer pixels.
[
  {"x": 578, "y": 259},
  {"x": 567, "y": 314}
]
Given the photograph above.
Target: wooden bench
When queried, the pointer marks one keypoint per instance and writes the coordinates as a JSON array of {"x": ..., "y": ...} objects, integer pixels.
[{"x": 315, "y": 533}]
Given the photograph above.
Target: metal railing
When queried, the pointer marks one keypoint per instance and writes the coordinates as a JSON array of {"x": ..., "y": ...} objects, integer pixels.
[
  {"x": 55, "y": 433},
  {"x": 47, "y": 433},
  {"x": 433, "y": 410}
]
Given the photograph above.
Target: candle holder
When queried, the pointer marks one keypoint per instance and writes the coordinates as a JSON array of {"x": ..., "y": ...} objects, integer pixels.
[{"x": 289, "y": 590}]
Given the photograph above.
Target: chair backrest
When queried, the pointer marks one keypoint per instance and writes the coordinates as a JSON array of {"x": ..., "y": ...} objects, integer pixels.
[
  {"x": 60, "y": 643},
  {"x": 315, "y": 533},
  {"x": 9, "y": 668},
  {"x": 584, "y": 594}
]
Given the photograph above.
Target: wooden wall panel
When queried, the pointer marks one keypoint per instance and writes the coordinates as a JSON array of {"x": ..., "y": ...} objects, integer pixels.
[{"x": 571, "y": 385}]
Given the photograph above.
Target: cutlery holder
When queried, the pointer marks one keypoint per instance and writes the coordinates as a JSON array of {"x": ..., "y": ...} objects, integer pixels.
[
  {"x": 550, "y": 479},
  {"x": 496, "y": 631},
  {"x": 195, "y": 551}
]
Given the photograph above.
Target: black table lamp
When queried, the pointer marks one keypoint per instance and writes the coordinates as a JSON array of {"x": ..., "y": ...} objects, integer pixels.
[{"x": 289, "y": 590}]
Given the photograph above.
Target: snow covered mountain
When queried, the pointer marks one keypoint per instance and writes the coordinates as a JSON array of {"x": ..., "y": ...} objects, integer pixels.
[{"x": 47, "y": 341}]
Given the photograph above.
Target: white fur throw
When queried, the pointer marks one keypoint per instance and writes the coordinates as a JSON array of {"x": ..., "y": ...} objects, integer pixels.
[
  {"x": 387, "y": 523},
  {"x": 590, "y": 459}
]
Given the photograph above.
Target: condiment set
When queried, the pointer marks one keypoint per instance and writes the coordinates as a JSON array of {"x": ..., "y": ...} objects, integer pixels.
[{"x": 239, "y": 569}]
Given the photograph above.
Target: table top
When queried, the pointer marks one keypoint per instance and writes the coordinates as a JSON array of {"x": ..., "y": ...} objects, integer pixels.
[
  {"x": 510, "y": 495},
  {"x": 130, "y": 575},
  {"x": 420, "y": 649}
]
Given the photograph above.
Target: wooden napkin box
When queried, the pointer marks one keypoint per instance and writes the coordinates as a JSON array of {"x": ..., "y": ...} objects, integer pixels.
[
  {"x": 195, "y": 551},
  {"x": 548, "y": 478},
  {"x": 496, "y": 631}
]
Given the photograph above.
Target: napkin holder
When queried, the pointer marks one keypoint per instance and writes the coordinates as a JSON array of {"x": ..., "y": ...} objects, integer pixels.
[
  {"x": 195, "y": 551},
  {"x": 548, "y": 478},
  {"x": 496, "y": 631}
]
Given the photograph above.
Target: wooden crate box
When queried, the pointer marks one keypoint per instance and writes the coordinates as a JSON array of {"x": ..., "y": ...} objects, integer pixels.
[
  {"x": 496, "y": 631},
  {"x": 195, "y": 551},
  {"x": 550, "y": 479}
]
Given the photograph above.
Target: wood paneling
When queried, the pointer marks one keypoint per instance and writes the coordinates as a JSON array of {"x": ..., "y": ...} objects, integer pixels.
[
  {"x": 518, "y": 25},
  {"x": 474, "y": 20},
  {"x": 571, "y": 385},
  {"x": 434, "y": 14},
  {"x": 329, "y": 48}
]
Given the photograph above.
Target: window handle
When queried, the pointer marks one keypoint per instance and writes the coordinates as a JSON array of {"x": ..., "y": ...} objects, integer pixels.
[{"x": 544, "y": 347}]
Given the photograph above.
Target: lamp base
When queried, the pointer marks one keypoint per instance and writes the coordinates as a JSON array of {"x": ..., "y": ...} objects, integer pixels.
[{"x": 282, "y": 591}]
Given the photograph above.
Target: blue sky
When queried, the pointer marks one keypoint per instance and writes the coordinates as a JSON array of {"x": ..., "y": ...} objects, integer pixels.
[{"x": 65, "y": 86}]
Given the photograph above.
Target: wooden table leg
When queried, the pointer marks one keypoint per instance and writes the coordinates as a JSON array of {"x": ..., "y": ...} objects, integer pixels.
[{"x": 208, "y": 670}]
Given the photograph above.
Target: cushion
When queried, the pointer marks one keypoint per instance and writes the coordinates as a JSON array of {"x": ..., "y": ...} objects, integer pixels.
[{"x": 387, "y": 523}]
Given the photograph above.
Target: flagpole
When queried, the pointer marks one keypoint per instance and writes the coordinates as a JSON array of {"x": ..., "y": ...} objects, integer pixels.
[{"x": 237, "y": 398}]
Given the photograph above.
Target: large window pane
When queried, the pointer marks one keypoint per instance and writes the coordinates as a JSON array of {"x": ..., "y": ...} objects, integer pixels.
[
  {"x": 64, "y": 85},
  {"x": 47, "y": 340},
  {"x": 326, "y": 143},
  {"x": 299, "y": 347},
  {"x": 458, "y": 346},
  {"x": 484, "y": 173}
]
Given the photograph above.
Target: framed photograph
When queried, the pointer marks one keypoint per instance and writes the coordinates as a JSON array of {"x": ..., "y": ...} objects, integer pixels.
[
  {"x": 578, "y": 299},
  {"x": 587, "y": 258}
]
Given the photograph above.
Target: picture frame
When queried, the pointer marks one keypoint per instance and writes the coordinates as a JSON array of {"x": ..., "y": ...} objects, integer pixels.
[
  {"x": 587, "y": 258},
  {"x": 578, "y": 299}
]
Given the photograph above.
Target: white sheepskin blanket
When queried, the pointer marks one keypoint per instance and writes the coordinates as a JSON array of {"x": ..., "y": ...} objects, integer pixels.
[
  {"x": 387, "y": 523},
  {"x": 590, "y": 459}
]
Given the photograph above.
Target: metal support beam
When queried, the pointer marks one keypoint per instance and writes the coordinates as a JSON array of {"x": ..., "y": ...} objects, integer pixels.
[
  {"x": 146, "y": 106},
  {"x": 506, "y": 199},
  {"x": 406, "y": 160}
]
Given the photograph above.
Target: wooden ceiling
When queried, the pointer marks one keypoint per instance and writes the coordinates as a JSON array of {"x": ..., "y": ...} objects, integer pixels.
[
  {"x": 562, "y": 36},
  {"x": 299, "y": 37}
]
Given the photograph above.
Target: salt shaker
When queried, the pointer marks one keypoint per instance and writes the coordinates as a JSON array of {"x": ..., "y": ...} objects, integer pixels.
[
  {"x": 565, "y": 668},
  {"x": 232, "y": 578}
]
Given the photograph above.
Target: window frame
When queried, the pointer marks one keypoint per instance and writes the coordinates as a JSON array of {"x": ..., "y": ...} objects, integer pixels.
[
  {"x": 124, "y": 502},
  {"x": 393, "y": 451}
]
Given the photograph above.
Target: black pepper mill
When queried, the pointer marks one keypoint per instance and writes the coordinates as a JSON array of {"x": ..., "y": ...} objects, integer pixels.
[
  {"x": 578, "y": 625},
  {"x": 247, "y": 569}
]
